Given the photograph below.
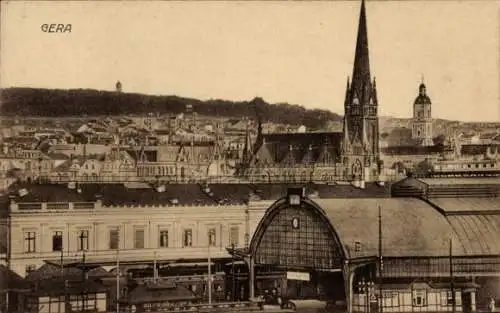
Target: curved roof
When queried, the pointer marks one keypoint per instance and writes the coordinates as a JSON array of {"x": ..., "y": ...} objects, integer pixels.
[
  {"x": 468, "y": 205},
  {"x": 410, "y": 227},
  {"x": 422, "y": 99},
  {"x": 478, "y": 233}
]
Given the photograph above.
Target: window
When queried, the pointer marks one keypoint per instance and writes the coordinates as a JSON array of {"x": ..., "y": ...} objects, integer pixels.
[
  {"x": 449, "y": 298},
  {"x": 83, "y": 240},
  {"x": 419, "y": 298},
  {"x": 139, "y": 239},
  {"x": 188, "y": 238},
  {"x": 114, "y": 239},
  {"x": 212, "y": 237},
  {"x": 390, "y": 299},
  {"x": 57, "y": 241},
  {"x": 357, "y": 246},
  {"x": 164, "y": 239},
  {"x": 234, "y": 234},
  {"x": 29, "y": 241}
]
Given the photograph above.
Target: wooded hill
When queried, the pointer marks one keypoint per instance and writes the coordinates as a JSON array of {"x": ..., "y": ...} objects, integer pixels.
[{"x": 31, "y": 102}]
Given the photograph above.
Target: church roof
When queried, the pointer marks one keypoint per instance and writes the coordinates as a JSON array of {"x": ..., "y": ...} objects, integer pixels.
[{"x": 299, "y": 148}]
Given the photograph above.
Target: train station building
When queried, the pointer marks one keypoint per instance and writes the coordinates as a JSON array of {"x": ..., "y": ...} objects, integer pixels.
[{"x": 406, "y": 252}]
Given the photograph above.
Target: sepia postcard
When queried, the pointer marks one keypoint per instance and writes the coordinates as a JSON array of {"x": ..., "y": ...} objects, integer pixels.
[{"x": 244, "y": 156}]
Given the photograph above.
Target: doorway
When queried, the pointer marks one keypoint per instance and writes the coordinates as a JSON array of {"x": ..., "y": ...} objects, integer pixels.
[{"x": 466, "y": 302}]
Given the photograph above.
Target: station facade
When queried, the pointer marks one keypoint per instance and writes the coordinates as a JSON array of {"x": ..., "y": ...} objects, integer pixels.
[{"x": 428, "y": 253}]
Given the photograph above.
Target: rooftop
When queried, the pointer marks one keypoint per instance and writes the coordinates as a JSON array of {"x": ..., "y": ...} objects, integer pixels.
[
  {"x": 180, "y": 194},
  {"x": 461, "y": 181},
  {"x": 452, "y": 206},
  {"x": 410, "y": 227},
  {"x": 450, "y": 187}
]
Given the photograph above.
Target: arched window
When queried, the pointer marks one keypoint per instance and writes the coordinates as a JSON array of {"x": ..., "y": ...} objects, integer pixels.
[
  {"x": 357, "y": 169},
  {"x": 296, "y": 236}
]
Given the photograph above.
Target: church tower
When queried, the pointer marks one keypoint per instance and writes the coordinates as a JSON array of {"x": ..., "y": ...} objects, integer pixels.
[
  {"x": 361, "y": 128},
  {"x": 422, "y": 117}
]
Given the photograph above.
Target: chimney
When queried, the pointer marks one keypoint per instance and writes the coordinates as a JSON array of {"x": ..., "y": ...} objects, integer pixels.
[{"x": 13, "y": 204}]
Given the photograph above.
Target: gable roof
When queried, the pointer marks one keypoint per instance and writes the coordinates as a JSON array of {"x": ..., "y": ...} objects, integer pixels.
[
  {"x": 293, "y": 147},
  {"x": 9, "y": 280}
]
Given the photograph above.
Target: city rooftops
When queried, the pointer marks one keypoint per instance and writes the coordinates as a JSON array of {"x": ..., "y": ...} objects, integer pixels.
[{"x": 84, "y": 196}]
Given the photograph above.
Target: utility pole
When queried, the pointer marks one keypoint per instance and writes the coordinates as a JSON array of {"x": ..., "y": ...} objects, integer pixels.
[
  {"x": 209, "y": 275},
  {"x": 452, "y": 282},
  {"x": 155, "y": 270},
  {"x": 233, "y": 290},
  {"x": 84, "y": 272},
  {"x": 381, "y": 261},
  {"x": 118, "y": 271},
  {"x": 63, "y": 282}
]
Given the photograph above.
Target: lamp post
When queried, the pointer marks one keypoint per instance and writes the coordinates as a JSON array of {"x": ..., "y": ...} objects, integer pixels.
[
  {"x": 233, "y": 289},
  {"x": 84, "y": 272},
  {"x": 366, "y": 288},
  {"x": 118, "y": 271},
  {"x": 209, "y": 275}
]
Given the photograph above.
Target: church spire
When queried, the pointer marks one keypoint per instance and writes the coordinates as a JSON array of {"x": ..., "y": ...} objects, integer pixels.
[
  {"x": 361, "y": 72},
  {"x": 247, "y": 149},
  {"x": 347, "y": 89}
]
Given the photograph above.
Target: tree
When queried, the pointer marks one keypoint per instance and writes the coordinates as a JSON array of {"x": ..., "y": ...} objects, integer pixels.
[{"x": 439, "y": 140}]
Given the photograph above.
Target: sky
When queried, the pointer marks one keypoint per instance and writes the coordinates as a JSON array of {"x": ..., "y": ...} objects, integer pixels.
[{"x": 298, "y": 52}]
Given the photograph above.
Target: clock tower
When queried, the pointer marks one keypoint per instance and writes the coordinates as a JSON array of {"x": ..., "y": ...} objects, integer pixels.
[{"x": 422, "y": 117}]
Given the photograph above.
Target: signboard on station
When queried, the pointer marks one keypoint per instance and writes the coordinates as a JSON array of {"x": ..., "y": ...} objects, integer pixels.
[{"x": 298, "y": 276}]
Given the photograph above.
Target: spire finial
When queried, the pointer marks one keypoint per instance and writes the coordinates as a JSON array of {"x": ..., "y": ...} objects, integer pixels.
[{"x": 421, "y": 78}]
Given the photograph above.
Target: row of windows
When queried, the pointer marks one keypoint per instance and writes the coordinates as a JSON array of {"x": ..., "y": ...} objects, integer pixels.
[
  {"x": 162, "y": 170},
  {"x": 420, "y": 298},
  {"x": 139, "y": 239},
  {"x": 464, "y": 165}
]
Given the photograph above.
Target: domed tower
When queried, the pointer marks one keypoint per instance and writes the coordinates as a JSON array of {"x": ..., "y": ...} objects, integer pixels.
[
  {"x": 422, "y": 118},
  {"x": 118, "y": 86}
]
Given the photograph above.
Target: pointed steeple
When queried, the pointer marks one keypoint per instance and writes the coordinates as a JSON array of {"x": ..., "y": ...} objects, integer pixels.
[
  {"x": 374, "y": 99},
  {"x": 247, "y": 150},
  {"x": 347, "y": 89},
  {"x": 361, "y": 71}
]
